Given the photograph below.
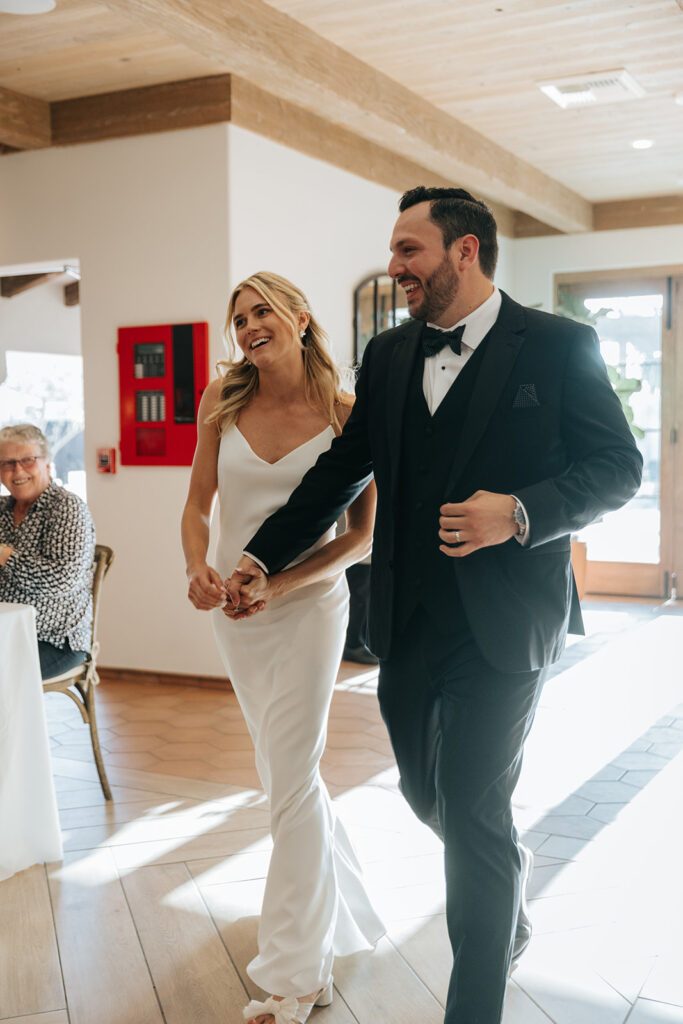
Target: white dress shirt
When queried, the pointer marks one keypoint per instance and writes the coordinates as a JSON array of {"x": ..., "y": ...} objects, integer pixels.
[{"x": 441, "y": 370}]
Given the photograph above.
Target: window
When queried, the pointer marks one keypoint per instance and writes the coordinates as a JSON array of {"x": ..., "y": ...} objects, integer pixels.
[
  {"x": 630, "y": 332},
  {"x": 46, "y": 389},
  {"x": 376, "y": 307}
]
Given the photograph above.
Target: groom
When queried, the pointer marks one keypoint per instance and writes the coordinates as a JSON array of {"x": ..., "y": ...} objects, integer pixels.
[{"x": 493, "y": 433}]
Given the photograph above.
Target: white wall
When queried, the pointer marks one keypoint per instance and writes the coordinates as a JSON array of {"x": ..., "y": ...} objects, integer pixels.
[
  {"x": 321, "y": 227},
  {"x": 148, "y": 219},
  {"x": 535, "y": 260},
  {"x": 505, "y": 269}
]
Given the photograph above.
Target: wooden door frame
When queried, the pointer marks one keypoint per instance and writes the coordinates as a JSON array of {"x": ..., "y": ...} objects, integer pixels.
[{"x": 615, "y": 577}]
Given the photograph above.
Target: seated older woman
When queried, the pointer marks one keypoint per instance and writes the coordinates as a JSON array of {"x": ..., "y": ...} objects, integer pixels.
[{"x": 47, "y": 543}]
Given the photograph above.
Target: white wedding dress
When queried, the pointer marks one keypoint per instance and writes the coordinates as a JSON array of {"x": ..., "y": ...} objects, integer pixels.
[{"x": 283, "y": 663}]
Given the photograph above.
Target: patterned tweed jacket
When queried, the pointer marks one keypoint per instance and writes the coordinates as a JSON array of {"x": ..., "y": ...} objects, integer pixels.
[{"x": 51, "y": 567}]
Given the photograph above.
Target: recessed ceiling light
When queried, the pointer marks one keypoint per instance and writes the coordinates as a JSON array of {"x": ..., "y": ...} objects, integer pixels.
[
  {"x": 679, "y": 99},
  {"x": 642, "y": 144},
  {"x": 27, "y": 6}
]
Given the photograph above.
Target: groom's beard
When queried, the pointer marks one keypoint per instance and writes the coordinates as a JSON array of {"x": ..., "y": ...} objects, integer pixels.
[{"x": 439, "y": 291}]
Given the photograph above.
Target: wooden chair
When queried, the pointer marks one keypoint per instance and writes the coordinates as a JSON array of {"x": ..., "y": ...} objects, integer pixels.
[{"x": 83, "y": 678}]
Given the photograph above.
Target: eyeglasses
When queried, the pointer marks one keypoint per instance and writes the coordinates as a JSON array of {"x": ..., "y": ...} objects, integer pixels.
[{"x": 26, "y": 463}]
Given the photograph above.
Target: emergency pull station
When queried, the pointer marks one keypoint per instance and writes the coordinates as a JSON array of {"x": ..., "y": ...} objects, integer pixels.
[
  {"x": 106, "y": 460},
  {"x": 163, "y": 371}
]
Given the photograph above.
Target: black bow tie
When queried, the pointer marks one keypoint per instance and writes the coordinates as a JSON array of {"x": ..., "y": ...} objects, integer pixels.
[{"x": 434, "y": 340}]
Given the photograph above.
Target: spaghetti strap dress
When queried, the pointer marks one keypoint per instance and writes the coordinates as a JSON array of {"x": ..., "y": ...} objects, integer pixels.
[{"x": 283, "y": 663}]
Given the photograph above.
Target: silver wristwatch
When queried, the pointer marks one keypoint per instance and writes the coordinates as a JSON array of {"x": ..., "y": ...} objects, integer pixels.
[{"x": 519, "y": 518}]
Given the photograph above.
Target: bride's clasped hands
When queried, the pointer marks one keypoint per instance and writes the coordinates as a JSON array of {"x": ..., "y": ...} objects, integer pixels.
[{"x": 249, "y": 589}]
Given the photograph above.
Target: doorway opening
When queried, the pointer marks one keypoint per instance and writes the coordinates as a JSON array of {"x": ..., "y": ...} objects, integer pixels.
[
  {"x": 41, "y": 365},
  {"x": 637, "y": 316}
]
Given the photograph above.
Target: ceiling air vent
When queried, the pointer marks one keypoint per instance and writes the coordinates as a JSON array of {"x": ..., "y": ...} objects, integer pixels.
[{"x": 586, "y": 90}]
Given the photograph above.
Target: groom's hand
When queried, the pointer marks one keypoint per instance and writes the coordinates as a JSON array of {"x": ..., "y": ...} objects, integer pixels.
[
  {"x": 245, "y": 570},
  {"x": 482, "y": 521},
  {"x": 242, "y": 589}
]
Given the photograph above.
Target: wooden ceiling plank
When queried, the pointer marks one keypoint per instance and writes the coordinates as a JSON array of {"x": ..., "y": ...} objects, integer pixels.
[
  {"x": 154, "y": 108},
  {"x": 120, "y": 61},
  {"x": 469, "y": 29},
  {"x": 84, "y": 24},
  {"x": 266, "y": 47},
  {"x": 24, "y": 121}
]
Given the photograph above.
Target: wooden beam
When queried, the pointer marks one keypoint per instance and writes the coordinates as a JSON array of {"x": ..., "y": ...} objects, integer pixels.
[
  {"x": 652, "y": 211},
  {"x": 15, "y": 285},
  {"x": 279, "y": 54},
  {"x": 72, "y": 293},
  {"x": 24, "y": 121},
  {"x": 284, "y": 122},
  {"x": 615, "y": 215},
  {"x": 154, "y": 108},
  {"x": 525, "y": 226}
]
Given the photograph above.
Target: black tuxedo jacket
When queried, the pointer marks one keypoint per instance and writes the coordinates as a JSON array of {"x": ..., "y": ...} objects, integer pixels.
[{"x": 543, "y": 424}]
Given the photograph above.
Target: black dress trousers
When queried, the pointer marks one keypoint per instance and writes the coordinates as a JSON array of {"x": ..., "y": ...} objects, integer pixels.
[{"x": 457, "y": 727}]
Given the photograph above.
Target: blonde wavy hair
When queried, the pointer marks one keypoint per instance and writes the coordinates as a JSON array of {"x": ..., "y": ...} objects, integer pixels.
[{"x": 322, "y": 377}]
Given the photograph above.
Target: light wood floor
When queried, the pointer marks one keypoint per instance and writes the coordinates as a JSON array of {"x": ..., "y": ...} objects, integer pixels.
[{"x": 152, "y": 915}]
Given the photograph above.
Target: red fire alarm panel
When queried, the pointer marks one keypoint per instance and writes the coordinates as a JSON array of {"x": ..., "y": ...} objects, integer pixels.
[{"x": 163, "y": 371}]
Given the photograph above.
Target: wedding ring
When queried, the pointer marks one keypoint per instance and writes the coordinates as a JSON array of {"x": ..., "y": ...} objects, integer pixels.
[{"x": 457, "y": 536}]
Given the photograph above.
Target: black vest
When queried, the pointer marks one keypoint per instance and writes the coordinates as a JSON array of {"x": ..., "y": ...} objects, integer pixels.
[{"x": 425, "y": 575}]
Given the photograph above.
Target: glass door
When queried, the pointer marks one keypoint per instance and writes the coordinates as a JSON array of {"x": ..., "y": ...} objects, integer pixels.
[{"x": 630, "y": 551}]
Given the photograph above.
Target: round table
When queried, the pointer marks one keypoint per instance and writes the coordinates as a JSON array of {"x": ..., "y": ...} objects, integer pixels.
[{"x": 29, "y": 822}]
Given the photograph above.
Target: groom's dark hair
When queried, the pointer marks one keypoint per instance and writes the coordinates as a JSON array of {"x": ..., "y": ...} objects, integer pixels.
[{"x": 458, "y": 213}]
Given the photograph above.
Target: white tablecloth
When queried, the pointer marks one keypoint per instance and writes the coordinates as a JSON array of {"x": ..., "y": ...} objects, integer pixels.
[{"x": 29, "y": 823}]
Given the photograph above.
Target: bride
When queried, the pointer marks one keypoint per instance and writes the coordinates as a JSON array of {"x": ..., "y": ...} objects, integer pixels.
[{"x": 261, "y": 426}]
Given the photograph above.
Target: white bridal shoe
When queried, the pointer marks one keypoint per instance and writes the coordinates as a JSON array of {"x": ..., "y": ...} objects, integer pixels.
[{"x": 289, "y": 1010}]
